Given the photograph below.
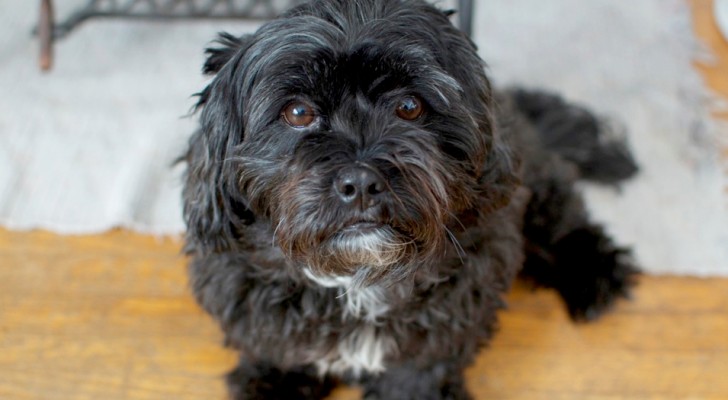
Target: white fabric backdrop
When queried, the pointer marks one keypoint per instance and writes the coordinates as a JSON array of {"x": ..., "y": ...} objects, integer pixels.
[{"x": 90, "y": 145}]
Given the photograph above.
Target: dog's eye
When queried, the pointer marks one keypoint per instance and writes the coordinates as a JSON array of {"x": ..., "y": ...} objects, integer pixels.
[
  {"x": 298, "y": 114},
  {"x": 410, "y": 108}
]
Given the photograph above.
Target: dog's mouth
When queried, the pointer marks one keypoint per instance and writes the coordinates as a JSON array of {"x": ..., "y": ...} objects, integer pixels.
[
  {"x": 363, "y": 227},
  {"x": 366, "y": 247}
]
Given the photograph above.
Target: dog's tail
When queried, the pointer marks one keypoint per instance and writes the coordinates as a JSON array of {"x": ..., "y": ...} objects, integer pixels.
[{"x": 600, "y": 153}]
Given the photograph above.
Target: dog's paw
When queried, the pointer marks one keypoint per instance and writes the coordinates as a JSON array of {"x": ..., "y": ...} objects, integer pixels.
[
  {"x": 265, "y": 382},
  {"x": 456, "y": 392},
  {"x": 440, "y": 382},
  {"x": 595, "y": 273}
]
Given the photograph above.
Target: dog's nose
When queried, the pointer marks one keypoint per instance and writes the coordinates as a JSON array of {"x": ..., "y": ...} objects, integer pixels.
[{"x": 359, "y": 186}]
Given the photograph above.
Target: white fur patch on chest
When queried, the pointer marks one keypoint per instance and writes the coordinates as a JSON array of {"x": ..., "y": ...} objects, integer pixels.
[
  {"x": 363, "y": 350},
  {"x": 366, "y": 303}
]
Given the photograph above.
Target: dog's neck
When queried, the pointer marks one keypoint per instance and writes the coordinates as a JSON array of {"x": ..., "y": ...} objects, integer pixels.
[{"x": 368, "y": 303}]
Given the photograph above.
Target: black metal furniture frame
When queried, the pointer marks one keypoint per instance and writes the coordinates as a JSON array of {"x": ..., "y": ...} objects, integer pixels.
[{"x": 48, "y": 30}]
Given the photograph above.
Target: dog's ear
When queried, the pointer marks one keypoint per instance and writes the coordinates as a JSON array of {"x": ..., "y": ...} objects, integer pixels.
[
  {"x": 217, "y": 57},
  {"x": 214, "y": 209}
]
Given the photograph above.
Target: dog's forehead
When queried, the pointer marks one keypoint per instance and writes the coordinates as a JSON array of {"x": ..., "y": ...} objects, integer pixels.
[
  {"x": 368, "y": 67},
  {"x": 365, "y": 57},
  {"x": 345, "y": 48}
]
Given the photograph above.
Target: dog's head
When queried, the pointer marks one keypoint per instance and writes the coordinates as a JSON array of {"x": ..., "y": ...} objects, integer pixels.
[{"x": 357, "y": 131}]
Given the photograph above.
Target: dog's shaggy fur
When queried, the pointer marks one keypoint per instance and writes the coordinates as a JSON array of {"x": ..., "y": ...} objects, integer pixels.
[{"x": 367, "y": 245}]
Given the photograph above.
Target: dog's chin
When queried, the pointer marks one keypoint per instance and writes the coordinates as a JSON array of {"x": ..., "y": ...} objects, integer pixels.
[
  {"x": 368, "y": 244},
  {"x": 364, "y": 251}
]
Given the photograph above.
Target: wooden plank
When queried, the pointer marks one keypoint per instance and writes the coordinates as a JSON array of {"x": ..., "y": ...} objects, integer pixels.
[
  {"x": 105, "y": 316},
  {"x": 110, "y": 316}
]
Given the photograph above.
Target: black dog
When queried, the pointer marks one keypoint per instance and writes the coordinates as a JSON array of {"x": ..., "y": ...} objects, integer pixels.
[{"x": 358, "y": 199}]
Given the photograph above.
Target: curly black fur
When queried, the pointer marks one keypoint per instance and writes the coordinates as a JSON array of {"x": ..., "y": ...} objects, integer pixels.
[
  {"x": 577, "y": 136},
  {"x": 476, "y": 188}
]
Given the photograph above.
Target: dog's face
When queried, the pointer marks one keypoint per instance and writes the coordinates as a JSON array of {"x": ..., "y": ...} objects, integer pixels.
[{"x": 358, "y": 132}]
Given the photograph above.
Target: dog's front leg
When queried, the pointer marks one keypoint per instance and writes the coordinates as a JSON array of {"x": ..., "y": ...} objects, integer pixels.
[
  {"x": 440, "y": 381},
  {"x": 566, "y": 250},
  {"x": 258, "y": 314},
  {"x": 263, "y": 381}
]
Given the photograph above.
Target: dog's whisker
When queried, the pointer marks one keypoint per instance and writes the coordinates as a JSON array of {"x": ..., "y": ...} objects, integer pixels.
[
  {"x": 275, "y": 232},
  {"x": 458, "y": 248},
  {"x": 456, "y": 219},
  {"x": 234, "y": 159}
]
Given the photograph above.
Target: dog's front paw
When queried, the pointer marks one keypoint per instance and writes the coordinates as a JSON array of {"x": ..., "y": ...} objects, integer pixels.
[
  {"x": 265, "y": 382},
  {"x": 454, "y": 392},
  {"x": 440, "y": 382},
  {"x": 595, "y": 273}
]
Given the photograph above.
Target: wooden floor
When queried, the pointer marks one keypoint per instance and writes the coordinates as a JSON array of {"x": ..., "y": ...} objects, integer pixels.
[{"x": 109, "y": 317}]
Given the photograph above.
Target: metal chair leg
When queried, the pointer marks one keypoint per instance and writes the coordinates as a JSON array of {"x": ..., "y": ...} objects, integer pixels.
[
  {"x": 45, "y": 34},
  {"x": 465, "y": 14}
]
